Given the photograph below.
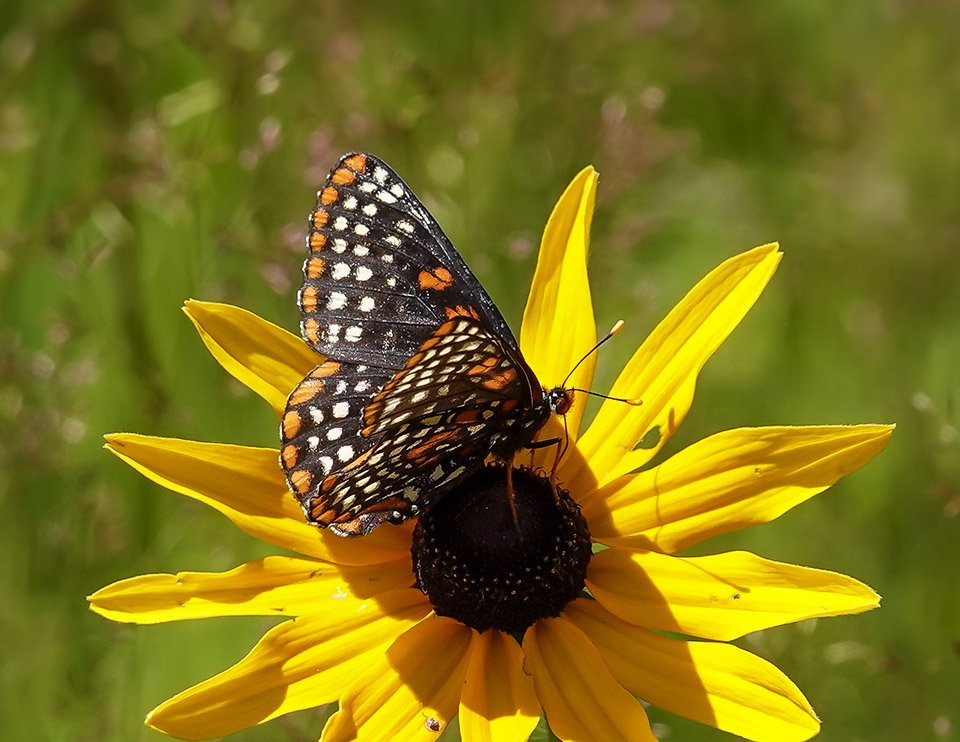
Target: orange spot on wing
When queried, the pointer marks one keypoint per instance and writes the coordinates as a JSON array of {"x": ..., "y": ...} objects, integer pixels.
[
  {"x": 328, "y": 195},
  {"x": 499, "y": 381},
  {"x": 311, "y": 328},
  {"x": 301, "y": 481},
  {"x": 320, "y": 218},
  {"x": 431, "y": 442},
  {"x": 317, "y": 241},
  {"x": 485, "y": 367},
  {"x": 356, "y": 162},
  {"x": 308, "y": 298},
  {"x": 308, "y": 389},
  {"x": 461, "y": 311},
  {"x": 343, "y": 177},
  {"x": 291, "y": 424},
  {"x": 329, "y": 483},
  {"x": 327, "y": 368},
  {"x": 289, "y": 456},
  {"x": 324, "y": 517},
  {"x": 439, "y": 279},
  {"x": 315, "y": 267},
  {"x": 468, "y": 416}
]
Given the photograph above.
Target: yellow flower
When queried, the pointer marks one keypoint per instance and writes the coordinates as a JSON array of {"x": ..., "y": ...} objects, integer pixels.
[{"x": 358, "y": 632}]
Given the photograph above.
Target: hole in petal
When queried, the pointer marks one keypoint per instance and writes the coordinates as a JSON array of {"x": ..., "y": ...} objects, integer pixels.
[{"x": 650, "y": 439}]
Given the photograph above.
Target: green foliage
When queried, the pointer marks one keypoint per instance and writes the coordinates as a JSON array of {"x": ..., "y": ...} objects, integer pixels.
[{"x": 152, "y": 152}]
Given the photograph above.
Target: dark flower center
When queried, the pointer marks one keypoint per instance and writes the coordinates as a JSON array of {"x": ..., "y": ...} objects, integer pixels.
[{"x": 480, "y": 567}]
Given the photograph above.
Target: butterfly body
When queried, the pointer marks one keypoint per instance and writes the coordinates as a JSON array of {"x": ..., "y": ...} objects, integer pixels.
[{"x": 423, "y": 378}]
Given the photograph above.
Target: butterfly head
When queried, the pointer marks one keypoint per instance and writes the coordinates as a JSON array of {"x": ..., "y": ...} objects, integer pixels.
[{"x": 559, "y": 399}]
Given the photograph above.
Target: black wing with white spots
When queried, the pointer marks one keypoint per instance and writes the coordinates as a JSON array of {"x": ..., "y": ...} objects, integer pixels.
[
  {"x": 423, "y": 379},
  {"x": 381, "y": 274}
]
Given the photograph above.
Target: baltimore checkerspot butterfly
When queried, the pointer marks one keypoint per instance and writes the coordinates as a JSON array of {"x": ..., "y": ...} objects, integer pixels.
[{"x": 423, "y": 378}]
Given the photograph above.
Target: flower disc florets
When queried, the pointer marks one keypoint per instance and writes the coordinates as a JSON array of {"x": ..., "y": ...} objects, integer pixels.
[{"x": 479, "y": 566}]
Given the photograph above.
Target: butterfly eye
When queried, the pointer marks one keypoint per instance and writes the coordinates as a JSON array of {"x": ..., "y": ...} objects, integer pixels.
[{"x": 561, "y": 400}]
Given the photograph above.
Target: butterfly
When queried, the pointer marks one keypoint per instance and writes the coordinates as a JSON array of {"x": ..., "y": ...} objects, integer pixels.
[{"x": 423, "y": 379}]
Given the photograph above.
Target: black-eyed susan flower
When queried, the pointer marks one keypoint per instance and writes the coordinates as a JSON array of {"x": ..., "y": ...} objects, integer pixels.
[{"x": 469, "y": 613}]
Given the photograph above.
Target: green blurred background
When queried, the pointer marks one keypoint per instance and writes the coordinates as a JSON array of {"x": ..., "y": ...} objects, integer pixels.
[{"x": 152, "y": 152}]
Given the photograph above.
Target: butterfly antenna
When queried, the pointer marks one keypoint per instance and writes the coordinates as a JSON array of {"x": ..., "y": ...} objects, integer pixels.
[
  {"x": 613, "y": 331},
  {"x": 636, "y": 401}
]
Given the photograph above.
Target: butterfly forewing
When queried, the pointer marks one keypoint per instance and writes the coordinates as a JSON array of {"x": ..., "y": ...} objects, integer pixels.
[
  {"x": 381, "y": 275},
  {"x": 423, "y": 379}
]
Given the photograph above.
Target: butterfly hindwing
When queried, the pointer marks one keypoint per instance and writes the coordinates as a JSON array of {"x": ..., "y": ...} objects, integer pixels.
[
  {"x": 320, "y": 428},
  {"x": 416, "y": 434}
]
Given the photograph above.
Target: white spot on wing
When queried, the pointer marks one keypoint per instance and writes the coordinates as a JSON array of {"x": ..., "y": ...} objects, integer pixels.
[
  {"x": 362, "y": 230},
  {"x": 350, "y": 203},
  {"x": 380, "y": 175},
  {"x": 340, "y": 271},
  {"x": 316, "y": 414},
  {"x": 336, "y": 301},
  {"x": 370, "y": 209},
  {"x": 352, "y": 334},
  {"x": 345, "y": 453},
  {"x": 334, "y": 434},
  {"x": 367, "y": 304},
  {"x": 405, "y": 226},
  {"x": 340, "y": 223},
  {"x": 363, "y": 273},
  {"x": 341, "y": 410}
]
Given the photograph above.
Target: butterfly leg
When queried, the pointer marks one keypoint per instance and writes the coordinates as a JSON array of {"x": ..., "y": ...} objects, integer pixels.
[
  {"x": 556, "y": 462},
  {"x": 513, "y": 504}
]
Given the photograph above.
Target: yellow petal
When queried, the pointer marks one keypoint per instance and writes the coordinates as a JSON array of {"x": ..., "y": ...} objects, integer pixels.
[
  {"x": 582, "y": 699},
  {"x": 410, "y": 692},
  {"x": 731, "y": 480},
  {"x": 663, "y": 372},
  {"x": 558, "y": 326},
  {"x": 247, "y": 485},
  {"x": 499, "y": 703},
  {"x": 272, "y": 586},
  {"x": 713, "y": 683},
  {"x": 296, "y": 665},
  {"x": 723, "y": 596},
  {"x": 264, "y": 357}
]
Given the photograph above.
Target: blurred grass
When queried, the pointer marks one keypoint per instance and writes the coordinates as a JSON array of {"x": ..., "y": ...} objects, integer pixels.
[{"x": 155, "y": 152}]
